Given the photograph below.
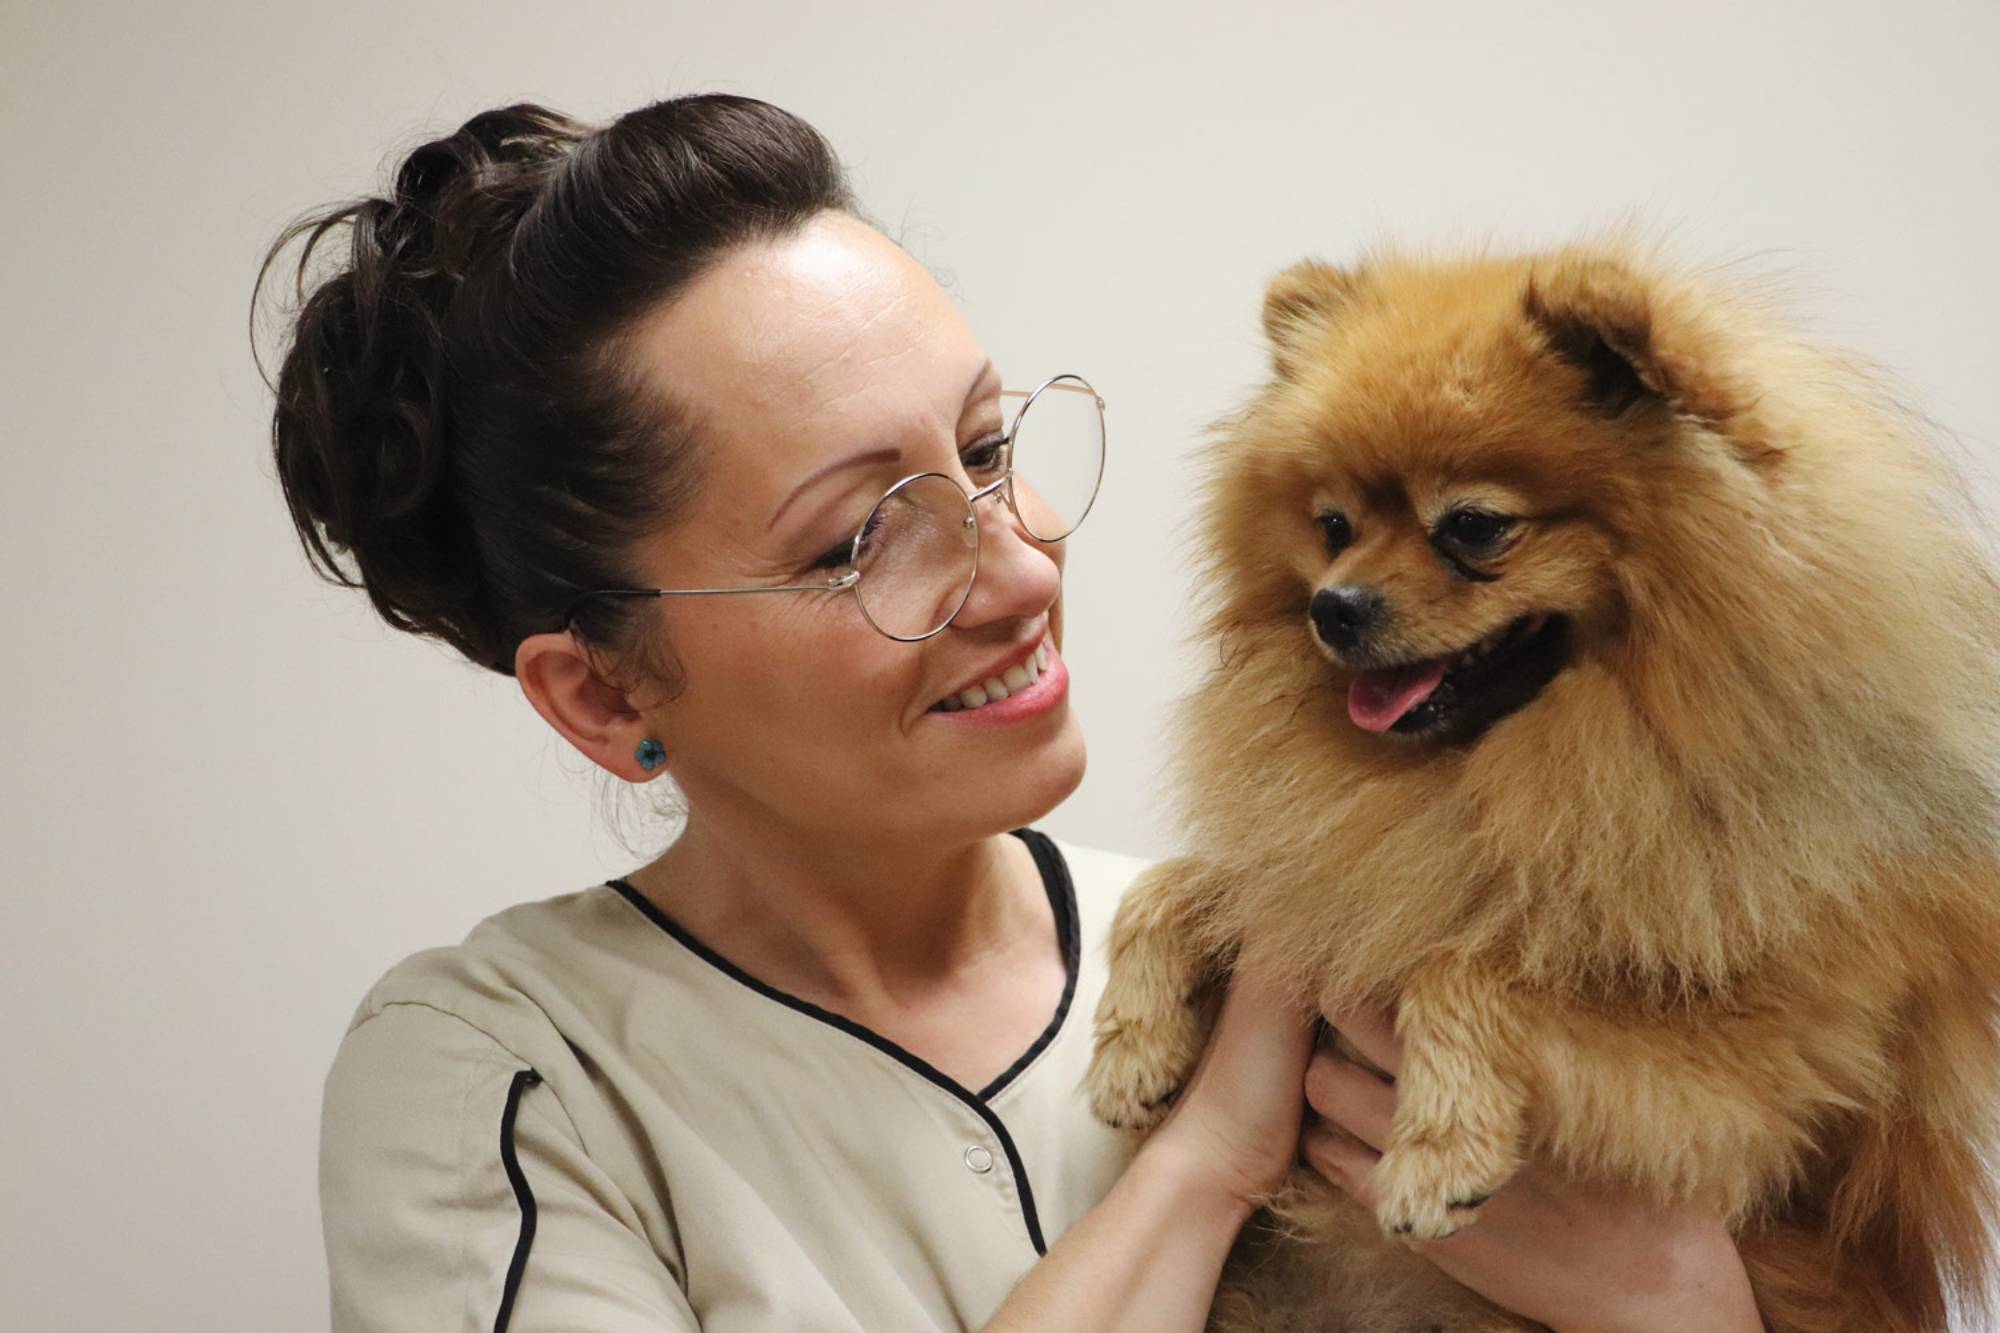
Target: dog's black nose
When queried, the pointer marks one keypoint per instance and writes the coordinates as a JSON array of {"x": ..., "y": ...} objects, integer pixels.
[{"x": 1344, "y": 614}]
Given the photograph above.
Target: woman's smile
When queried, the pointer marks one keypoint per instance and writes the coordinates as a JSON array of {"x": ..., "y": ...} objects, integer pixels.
[{"x": 1031, "y": 687}]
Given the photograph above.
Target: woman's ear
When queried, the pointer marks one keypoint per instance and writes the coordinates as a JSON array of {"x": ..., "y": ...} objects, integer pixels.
[
  {"x": 1299, "y": 301},
  {"x": 594, "y": 716}
]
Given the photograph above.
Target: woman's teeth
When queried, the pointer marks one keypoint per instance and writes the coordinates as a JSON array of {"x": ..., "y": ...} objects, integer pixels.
[{"x": 996, "y": 688}]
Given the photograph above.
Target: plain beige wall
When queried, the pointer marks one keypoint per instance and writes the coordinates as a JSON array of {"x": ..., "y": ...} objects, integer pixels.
[{"x": 232, "y": 799}]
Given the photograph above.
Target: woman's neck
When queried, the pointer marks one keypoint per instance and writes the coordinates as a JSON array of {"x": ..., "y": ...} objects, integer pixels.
[{"x": 858, "y": 926}]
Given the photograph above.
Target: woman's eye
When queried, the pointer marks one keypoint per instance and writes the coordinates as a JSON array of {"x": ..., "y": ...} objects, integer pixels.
[
  {"x": 834, "y": 557},
  {"x": 1474, "y": 527},
  {"x": 988, "y": 455}
]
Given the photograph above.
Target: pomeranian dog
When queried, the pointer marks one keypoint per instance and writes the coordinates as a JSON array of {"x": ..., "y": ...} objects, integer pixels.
[{"x": 1608, "y": 680}]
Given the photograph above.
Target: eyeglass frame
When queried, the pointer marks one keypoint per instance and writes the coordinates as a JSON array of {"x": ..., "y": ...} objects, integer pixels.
[{"x": 852, "y": 579}]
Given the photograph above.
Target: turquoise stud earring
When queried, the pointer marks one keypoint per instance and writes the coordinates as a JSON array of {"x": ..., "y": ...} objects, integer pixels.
[{"x": 651, "y": 754}]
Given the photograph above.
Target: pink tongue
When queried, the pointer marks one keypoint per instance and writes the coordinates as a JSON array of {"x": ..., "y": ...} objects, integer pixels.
[{"x": 1377, "y": 698}]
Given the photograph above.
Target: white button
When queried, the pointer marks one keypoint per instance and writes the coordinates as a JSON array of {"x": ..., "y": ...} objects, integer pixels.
[{"x": 978, "y": 1159}]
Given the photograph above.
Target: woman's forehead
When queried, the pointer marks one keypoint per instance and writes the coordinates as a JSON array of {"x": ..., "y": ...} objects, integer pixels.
[{"x": 800, "y": 342}]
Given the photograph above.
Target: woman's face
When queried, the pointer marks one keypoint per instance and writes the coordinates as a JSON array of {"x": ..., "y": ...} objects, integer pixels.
[{"x": 818, "y": 369}]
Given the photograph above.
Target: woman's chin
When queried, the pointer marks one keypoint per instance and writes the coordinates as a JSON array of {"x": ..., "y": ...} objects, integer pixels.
[
  {"x": 1036, "y": 785},
  {"x": 1058, "y": 772}
]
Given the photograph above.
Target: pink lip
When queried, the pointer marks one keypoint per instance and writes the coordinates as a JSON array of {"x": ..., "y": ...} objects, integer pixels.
[{"x": 1049, "y": 689}]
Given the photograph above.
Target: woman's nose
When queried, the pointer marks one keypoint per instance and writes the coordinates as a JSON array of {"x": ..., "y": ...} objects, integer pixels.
[{"x": 1018, "y": 576}]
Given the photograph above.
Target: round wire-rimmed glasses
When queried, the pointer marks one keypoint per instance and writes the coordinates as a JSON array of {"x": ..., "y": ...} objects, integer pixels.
[{"x": 912, "y": 561}]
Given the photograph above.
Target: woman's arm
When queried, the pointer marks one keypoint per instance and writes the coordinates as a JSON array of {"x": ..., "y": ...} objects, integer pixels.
[
  {"x": 1147, "y": 1258},
  {"x": 1579, "y": 1259}
]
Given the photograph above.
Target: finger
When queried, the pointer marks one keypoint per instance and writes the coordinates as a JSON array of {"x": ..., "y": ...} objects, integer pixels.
[
  {"x": 1351, "y": 1097},
  {"x": 1261, "y": 962},
  {"x": 1261, "y": 1027},
  {"x": 1342, "y": 1159},
  {"x": 1257, "y": 978},
  {"x": 1373, "y": 1032}
]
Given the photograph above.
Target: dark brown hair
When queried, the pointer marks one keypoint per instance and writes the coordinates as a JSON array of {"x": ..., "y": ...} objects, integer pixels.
[{"x": 457, "y": 409}]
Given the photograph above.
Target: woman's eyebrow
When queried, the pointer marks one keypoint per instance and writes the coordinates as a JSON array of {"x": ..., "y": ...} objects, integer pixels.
[
  {"x": 987, "y": 372},
  {"x": 878, "y": 455}
]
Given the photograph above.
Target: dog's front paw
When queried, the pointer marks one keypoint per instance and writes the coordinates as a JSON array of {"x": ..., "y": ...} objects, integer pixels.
[
  {"x": 1141, "y": 1062},
  {"x": 1428, "y": 1191}
]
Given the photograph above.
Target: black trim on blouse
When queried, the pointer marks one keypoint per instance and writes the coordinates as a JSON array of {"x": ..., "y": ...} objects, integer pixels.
[
  {"x": 525, "y": 1196},
  {"x": 1062, "y": 898},
  {"x": 1061, "y": 890}
]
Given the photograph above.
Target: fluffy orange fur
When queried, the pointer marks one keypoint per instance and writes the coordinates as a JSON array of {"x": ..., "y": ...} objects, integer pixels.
[{"x": 1717, "y": 912}]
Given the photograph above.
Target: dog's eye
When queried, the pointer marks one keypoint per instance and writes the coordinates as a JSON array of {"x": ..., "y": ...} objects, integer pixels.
[
  {"x": 1473, "y": 528},
  {"x": 1334, "y": 531}
]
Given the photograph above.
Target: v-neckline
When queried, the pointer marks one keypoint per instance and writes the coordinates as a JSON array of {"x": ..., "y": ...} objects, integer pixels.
[{"x": 1061, "y": 892}]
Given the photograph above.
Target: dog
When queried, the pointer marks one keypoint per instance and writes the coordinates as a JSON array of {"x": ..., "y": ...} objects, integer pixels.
[{"x": 1608, "y": 679}]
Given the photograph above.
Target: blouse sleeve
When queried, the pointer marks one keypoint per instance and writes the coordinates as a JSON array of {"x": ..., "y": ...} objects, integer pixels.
[{"x": 456, "y": 1195}]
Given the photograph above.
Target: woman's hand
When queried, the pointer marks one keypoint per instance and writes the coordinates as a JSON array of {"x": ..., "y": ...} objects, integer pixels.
[
  {"x": 1572, "y": 1256},
  {"x": 1147, "y": 1257},
  {"x": 1234, "y": 1128}
]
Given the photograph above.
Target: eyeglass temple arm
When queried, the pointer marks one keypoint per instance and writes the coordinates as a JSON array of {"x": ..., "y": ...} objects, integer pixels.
[
  {"x": 846, "y": 580},
  {"x": 1066, "y": 388},
  {"x": 831, "y": 585}
]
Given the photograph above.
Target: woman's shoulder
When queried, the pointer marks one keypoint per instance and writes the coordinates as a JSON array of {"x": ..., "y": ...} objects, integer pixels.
[
  {"x": 495, "y": 988},
  {"x": 456, "y": 1113},
  {"x": 449, "y": 1037}
]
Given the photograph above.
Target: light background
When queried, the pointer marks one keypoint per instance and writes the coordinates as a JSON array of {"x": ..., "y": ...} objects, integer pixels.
[{"x": 232, "y": 799}]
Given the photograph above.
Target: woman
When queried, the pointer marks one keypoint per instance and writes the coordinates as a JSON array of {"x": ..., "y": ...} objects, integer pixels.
[{"x": 815, "y": 1066}]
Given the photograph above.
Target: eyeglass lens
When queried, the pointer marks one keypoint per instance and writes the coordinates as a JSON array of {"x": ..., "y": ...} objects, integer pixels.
[
  {"x": 919, "y": 549},
  {"x": 1058, "y": 457},
  {"x": 917, "y": 556}
]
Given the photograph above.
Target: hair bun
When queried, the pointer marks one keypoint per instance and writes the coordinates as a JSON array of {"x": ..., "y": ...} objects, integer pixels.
[{"x": 362, "y": 433}]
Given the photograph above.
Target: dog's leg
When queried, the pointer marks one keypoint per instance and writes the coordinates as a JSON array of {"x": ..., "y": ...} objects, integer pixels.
[
  {"x": 1159, "y": 1001},
  {"x": 1460, "y": 1102}
]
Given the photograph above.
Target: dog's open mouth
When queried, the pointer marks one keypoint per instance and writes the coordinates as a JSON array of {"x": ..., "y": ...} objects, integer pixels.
[{"x": 1459, "y": 695}]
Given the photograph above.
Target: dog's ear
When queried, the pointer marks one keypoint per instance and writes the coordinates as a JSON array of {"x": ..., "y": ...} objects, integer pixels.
[
  {"x": 1596, "y": 315},
  {"x": 1299, "y": 300}
]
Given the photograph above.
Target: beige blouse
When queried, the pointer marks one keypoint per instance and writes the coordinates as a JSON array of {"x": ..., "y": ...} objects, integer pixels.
[{"x": 583, "y": 1119}]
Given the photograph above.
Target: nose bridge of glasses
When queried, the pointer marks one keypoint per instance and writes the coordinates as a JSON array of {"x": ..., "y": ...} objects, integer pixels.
[
  {"x": 998, "y": 483},
  {"x": 1009, "y": 512}
]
